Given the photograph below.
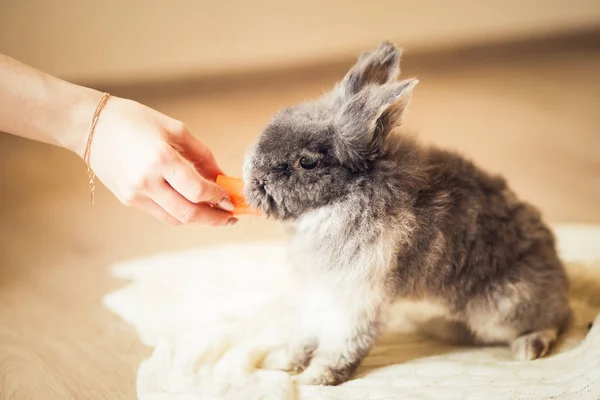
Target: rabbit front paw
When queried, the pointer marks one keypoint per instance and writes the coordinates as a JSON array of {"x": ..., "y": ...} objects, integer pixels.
[
  {"x": 318, "y": 374},
  {"x": 293, "y": 358}
]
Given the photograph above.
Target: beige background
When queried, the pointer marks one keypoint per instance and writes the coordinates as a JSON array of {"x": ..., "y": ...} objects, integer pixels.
[{"x": 124, "y": 41}]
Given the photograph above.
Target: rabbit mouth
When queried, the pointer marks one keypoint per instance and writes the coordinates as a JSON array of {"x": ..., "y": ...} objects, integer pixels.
[{"x": 260, "y": 199}]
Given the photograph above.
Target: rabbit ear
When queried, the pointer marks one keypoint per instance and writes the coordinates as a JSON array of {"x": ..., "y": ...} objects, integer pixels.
[
  {"x": 367, "y": 119},
  {"x": 375, "y": 67},
  {"x": 391, "y": 114}
]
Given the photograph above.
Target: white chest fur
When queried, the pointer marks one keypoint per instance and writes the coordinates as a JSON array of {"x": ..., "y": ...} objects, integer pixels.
[
  {"x": 330, "y": 241},
  {"x": 343, "y": 267}
]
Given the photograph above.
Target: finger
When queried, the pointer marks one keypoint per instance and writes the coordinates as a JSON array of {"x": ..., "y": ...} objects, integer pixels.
[
  {"x": 186, "y": 181},
  {"x": 187, "y": 212},
  {"x": 198, "y": 154},
  {"x": 158, "y": 212}
]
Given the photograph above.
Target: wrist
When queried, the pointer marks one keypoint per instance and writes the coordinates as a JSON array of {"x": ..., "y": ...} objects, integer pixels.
[{"x": 80, "y": 106}]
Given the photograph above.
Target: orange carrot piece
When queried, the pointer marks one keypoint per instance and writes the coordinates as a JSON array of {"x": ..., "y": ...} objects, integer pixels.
[{"x": 235, "y": 188}]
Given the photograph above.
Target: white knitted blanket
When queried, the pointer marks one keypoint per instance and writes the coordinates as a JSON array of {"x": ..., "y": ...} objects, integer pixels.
[{"x": 210, "y": 315}]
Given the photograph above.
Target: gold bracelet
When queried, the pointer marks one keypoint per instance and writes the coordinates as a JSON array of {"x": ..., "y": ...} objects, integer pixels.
[{"x": 86, "y": 154}]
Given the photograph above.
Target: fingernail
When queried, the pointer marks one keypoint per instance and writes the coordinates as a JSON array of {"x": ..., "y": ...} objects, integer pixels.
[
  {"x": 232, "y": 221},
  {"x": 226, "y": 204}
]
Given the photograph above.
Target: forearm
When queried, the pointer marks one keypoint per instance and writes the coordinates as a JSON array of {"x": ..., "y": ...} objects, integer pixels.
[{"x": 38, "y": 106}]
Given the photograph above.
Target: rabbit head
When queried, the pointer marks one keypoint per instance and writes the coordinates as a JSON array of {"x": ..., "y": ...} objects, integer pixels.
[{"x": 309, "y": 154}]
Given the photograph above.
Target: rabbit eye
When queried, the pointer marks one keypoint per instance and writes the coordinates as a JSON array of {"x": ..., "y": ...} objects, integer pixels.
[{"x": 308, "y": 163}]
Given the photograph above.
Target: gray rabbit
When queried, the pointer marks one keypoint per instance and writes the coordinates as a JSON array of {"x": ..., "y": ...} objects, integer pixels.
[{"x": 375, "y": 217}]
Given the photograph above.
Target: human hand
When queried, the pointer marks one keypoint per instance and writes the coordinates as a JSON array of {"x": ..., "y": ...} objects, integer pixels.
[
  {"x": 149, "y": 160},
  {"x": 145, "y": 158}
]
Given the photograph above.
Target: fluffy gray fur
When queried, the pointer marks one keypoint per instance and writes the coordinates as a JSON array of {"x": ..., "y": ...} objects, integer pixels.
[{"x": 375, "y": 217}]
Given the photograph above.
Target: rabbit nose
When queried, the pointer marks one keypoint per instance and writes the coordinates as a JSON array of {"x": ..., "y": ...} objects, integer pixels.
[{"x": 260, "y": 182}]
